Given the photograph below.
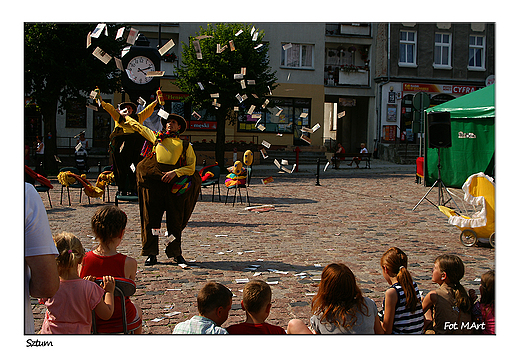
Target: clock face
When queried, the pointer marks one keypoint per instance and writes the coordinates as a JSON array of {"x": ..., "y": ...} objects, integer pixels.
[{"x": 137, "y": 69}]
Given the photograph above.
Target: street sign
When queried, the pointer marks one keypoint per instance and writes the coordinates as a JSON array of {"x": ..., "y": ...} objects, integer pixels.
[{"x": 421, "y": 101}]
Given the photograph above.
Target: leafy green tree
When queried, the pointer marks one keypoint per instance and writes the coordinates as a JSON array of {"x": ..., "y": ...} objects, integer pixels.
[
  {"x": 206, "y": 71},
  {"x": 59, "y": 68}
]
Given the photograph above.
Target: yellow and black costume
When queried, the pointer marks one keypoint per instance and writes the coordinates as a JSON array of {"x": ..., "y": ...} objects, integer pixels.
[
  {"x": 178, "y": 197},
  {"x": 126, "y": 145}
]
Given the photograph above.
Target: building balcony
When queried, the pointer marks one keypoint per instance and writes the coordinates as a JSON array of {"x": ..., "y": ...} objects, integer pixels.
[
  {"x": 347, "y": 75},
  {"x": 349, "y": 29}
]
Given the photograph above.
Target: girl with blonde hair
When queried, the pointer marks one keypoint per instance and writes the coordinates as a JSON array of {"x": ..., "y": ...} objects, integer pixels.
[{"x": 69, "y": 311}]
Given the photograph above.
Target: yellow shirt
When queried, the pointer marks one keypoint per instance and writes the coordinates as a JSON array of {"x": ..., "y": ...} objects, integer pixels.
[
  {"x": 114, "y": 113},
  {"x": 168, "y": 151}
]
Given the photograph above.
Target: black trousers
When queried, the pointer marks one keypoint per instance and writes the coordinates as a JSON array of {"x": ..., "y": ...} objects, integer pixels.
[{"x": 123, "y": 159}]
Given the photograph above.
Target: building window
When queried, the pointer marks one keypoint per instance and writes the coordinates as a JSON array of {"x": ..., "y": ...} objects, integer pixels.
[
  {"x": 442, "y": 52},
  {"x": 76, "y": 114},
  {"x": 476, "y": 52},
  {"x": 407, "y": 48},
  {"x": 297, "y": 55},
  {"x": 283, "y": 115}
]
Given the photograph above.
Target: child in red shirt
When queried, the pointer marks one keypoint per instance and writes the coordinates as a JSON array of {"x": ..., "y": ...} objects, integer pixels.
[
  {"x": 108, "y": 225},
  {"x": 256, "y": 301}
]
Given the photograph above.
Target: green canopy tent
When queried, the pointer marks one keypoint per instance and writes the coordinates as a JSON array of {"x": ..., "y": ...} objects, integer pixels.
[{"x": 472, "y": 137}]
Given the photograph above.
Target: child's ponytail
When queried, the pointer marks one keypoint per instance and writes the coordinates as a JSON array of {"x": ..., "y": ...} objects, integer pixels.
[
  {"x": 405, "y": 280},
  {"x": 70, "y": 251},
  {"x": 462, "y": 298},
  {"x": 396, "y": 262},
  {"x": 453, "y": 267}
]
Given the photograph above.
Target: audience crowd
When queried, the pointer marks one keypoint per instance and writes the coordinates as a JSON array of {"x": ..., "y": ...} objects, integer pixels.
[{"x": 87, "y": 282}]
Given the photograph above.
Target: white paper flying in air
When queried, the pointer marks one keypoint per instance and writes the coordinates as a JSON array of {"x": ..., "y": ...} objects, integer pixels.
[
  {"x": 132, "y": 35},
  {"x": 162, "y": 113},
  {"x": 102, "y": 55},
  {"x": 98, "y": 30},
  {"x": 166, "y": 47},
  {"x": 120, "y": 32}
]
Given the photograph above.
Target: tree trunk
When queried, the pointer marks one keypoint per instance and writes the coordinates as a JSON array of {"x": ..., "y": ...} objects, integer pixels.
[
  {"x": 48, "y": 111},
  {"x": 221, "y": 139}
]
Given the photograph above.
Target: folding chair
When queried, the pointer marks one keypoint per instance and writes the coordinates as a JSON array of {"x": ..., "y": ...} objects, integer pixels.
[
  {"x": 77, "y": 184},
  {"x": 215, "y": 180},
  {"x": 124, "y": 197},
  {"x": 238, "y": 187},
  {"x": 124, "y": 288},
  {"x": 45, "y": 183},
  {"x": 43, "y": 189},
  {"x": 106, "y": 169}
]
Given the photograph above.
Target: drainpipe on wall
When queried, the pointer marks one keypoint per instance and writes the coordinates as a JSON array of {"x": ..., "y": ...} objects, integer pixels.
[{"x": 380, "y": 114}]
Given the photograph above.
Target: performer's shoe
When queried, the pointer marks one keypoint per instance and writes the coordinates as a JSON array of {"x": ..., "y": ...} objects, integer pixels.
[
  {"x": 150, "y": 260},
  {"x": 180, "y": 260}
]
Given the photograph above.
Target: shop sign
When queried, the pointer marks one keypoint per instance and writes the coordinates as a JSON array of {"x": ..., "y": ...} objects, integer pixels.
[
  {"x": 452, "y": 89},
  {"x": 168, "y": 96},
  {"x": 197, "y": 125}
]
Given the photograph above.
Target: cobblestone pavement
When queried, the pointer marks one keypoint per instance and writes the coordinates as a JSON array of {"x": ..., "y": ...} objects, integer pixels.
[{"x": 352, "y": 217}]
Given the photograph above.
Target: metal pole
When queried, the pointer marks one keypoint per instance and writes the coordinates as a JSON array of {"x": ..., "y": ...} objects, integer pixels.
[
  {"x": 318, "y": 172},
  {"x": 421, "y": 127}
]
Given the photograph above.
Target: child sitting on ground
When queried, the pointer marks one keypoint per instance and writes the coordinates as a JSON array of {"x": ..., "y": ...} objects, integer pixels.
[
  {"x": 339, "y": 306},
  {"x": 256, "y": 302},
  {"x": 484, "y": 310},
  {"x": 108, "y": 225},
  {"x": 402, "y": 304},
  {"x": 213, "y": 304},
  {"x": 448, "y": 309},
  {"x": 69, "y": 311}
]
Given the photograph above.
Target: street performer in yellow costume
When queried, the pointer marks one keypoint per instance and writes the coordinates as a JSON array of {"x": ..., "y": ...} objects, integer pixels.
[
  {"x": 166, "y": 181},
  {"x": 125, "y": 144}
]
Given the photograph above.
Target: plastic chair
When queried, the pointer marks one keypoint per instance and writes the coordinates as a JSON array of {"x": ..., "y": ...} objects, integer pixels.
[
  {"x": 215, "y": 180},
  {"x": 77, "y": 184},
  {"x": 238, "y": 187},
  {"x": 124, "y": 288}
]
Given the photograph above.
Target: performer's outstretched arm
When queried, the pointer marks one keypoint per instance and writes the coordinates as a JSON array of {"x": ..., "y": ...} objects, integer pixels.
[
  {"x": 146, "y": 132},
  {"x": 147, "y": 112},
  {"x": 114, "y": 113}
]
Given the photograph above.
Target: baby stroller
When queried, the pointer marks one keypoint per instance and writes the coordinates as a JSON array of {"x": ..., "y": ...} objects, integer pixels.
[
  {"x": 81, "y": 156},
  {"x": 479, "y": 189}
]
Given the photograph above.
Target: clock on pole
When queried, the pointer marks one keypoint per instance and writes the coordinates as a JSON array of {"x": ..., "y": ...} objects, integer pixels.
[{"x": 138, "y": 62}]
